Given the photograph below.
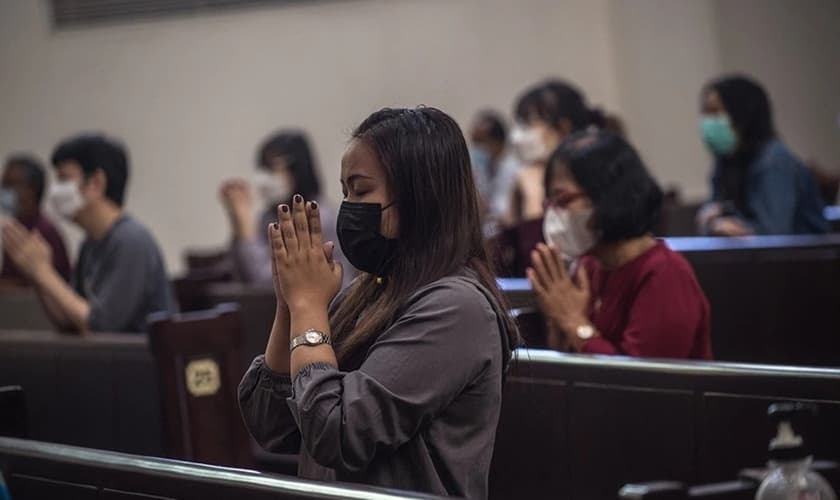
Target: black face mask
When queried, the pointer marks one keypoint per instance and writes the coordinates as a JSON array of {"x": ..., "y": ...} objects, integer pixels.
[{"x": 358, "y": 234}]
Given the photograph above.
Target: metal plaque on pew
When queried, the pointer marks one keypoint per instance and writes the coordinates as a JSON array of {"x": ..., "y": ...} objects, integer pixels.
[{"x": 203, "y": 377}]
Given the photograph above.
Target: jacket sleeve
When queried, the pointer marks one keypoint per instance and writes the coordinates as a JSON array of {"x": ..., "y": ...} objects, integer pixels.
[{"x": 262, "y": 401}]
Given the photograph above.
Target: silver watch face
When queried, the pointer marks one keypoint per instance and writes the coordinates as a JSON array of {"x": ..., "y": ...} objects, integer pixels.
[
  {"x": 585, "y": 332},
  {"x": 313, "y": 337}
]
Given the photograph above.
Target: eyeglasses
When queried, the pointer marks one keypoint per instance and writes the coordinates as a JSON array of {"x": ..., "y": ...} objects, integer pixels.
[{"x": 563, "y": 200}]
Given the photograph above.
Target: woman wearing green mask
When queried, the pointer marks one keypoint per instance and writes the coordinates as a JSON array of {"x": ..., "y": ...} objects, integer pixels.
[{"x": 758, "y": 185}]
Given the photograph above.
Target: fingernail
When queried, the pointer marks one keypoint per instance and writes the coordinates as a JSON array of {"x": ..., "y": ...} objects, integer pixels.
[
  {"x": 284, "y": 208},
  {"x": 298, "y": 199},
  {"x": 314, "y": 205},
  {"x": 276, "y": 226}
]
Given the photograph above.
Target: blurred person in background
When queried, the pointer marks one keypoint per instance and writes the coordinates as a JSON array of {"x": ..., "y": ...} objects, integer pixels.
[
  {"x": 120, "y": 277},
  {"x": 603, "y": 282},
  {"x": 758, "y": 185},
  {"x": 22, "y": 187},
  {"x": 494, "y": 167},
  {"x": 545, "y": 115},
  {"x": 286, "y": 165}
]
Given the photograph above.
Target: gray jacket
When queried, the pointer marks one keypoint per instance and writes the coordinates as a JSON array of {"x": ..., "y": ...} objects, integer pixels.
[{"x": 420, "y": 411}]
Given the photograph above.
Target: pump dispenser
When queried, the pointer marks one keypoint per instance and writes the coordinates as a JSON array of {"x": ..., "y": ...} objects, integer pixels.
[{"x": 790, "y": 477}]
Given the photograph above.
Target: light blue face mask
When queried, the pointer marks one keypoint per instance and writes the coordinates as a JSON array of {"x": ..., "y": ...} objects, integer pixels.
[
  {"x": 8, "y": 202},
  {"x": 718, "y": 134}
]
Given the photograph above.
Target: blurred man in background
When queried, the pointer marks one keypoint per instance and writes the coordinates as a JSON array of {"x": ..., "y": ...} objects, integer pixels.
[{"x": 120, "y": 277}]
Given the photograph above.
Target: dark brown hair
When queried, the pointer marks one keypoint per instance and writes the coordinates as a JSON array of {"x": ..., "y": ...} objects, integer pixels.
[{"x": 427, "y": 168}]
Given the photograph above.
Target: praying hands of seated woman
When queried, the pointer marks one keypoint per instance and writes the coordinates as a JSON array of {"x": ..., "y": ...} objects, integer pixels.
[
  {"x": 563, "y": 301},
  {"x": 305, "y": 281}
]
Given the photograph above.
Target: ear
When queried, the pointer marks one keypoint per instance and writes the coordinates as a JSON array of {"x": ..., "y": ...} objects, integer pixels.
[
  {"x": 564, "y": 128},
  {"x": 97, "y": 184}
]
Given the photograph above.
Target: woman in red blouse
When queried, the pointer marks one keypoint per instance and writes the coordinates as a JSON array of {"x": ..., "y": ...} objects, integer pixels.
[{"x": 604, "y": 283}]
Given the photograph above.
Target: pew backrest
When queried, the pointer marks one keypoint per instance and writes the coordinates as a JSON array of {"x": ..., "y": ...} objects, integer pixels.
[
  {"x": 35, "y": 470},
  {"x": 199, "y": 361},
  {"x": 583, "y": 426}
]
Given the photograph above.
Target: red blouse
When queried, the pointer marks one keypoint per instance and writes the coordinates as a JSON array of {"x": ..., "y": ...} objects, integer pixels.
[{"x": 650, "y": 307}]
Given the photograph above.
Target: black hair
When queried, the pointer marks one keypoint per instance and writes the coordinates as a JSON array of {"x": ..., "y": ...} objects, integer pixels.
[
  {"x": 749, "y": 108},
  {"x": 293, "y": 146},
  {"x": 626, "y": 198},
  {"x": 553, "y": 101},
  {"x": 94, "y": 152},
  {"x": 427, "y": 167},
  {"x": 494, "y": 123},
  {"x": 33, "y": 170}
]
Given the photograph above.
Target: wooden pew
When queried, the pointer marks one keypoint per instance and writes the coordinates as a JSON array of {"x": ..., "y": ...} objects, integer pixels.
[
  {"x": 199, "y": 361},
  {"x": 571, "y": 426},
  {"x": 13, "y": 419},
  {"x": 774, "y": 299},
  {"x": 678, "y": 219},
  {"x": 35, "y": 471},
  {"x": 100, "y": 391},
  {"x": 257, "y": 306},
  {"x": 577, "y": 426},
  {"x": 20, "y": 309}
]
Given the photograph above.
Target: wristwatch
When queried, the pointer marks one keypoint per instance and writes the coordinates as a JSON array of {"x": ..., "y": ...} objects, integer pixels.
[
  {"x": 311, "y": 338},
  {"x": 585, "y": 332}
]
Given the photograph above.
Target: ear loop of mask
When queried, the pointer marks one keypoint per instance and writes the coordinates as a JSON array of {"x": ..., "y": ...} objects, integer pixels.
[{"x": 381, "y": 279}]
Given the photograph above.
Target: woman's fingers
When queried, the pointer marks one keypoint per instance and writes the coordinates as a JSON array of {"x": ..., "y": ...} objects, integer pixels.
[
  {"x": 559, "y": 264},
  {"x": 301, "y": 223},
  {"x": 540, "y": 271},
  {"x": 548, "y": 261},
  {"x": 287, "y": 229},
  {"x": 536, "y": 284},
  {"x": 583, "y": 279},
  {"x": 315, "y": 233},
  {"x": 329, "y": 251},
  {"x": 13, "y": 235}
]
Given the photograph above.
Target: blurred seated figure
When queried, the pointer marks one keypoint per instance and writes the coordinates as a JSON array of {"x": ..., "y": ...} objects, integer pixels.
[
  {"x": 494, "y": 167},
  {"x": 120, "y": 277},
  {"x": 604, "y": 283},
  {"x": 758, "y": 185},
  {"x": 545, "y": 114},
  {"x": 286, "y": 166},
  {"x": 22, "y": 188}
]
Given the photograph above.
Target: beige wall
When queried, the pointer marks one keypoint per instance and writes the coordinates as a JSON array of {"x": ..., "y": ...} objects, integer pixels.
[
  {"x": 664, "y": 50},
  {"x": 192, "y": 96},
  {"x": 794, "y": 48}
]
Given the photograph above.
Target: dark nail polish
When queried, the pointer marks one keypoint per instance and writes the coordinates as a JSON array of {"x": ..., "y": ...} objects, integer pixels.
[
  {"x": 284, "y": 208},
  {"x": 298, "y": 199},
  {"x": 314, "y": 205}
]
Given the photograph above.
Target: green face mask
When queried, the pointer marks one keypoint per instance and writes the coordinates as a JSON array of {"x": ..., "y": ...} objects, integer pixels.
[{"x": 718, "y": 134}]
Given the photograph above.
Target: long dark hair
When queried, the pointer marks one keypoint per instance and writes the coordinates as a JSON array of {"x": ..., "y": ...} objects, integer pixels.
[
  {"x": 748, "y": 106},
  {"x": 553, "y": 101},
  {"x": 427, "y": 167},
  {"x": 293, "y": 146}
]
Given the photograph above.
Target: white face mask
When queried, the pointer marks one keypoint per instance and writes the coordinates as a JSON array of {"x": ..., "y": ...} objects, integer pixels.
[
  {"x": 528, "y": 144},
  {"x": 568, "y": 230},
  {"x": 66, "y": 198},
  {"x": 272, "y": 188}
]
